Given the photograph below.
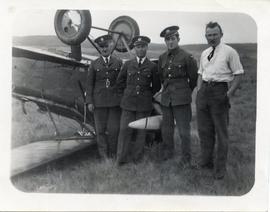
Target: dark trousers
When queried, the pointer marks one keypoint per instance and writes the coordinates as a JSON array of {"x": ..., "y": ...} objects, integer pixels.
[
  {"x": 212, "y": 118},
  {"x": 124, "y": 150},
  {"x": 107, "y": 122},
  {"x": 182, "y": 115}
]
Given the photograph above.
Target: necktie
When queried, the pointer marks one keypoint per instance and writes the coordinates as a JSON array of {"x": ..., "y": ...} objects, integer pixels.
[
  {"x": 209, "y": 57},
  {"x": 107, "y": 60},
  {"x": 140, "y": 62}
]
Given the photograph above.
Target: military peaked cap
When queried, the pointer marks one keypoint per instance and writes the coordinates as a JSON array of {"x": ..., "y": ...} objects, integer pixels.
[
  {"x": 169, "y": 31},
  {"x": 140, "y": 40},
  {"x": 103, "y": 40}
]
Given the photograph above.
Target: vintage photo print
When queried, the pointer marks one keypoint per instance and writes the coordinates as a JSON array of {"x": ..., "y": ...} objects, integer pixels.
[{"x": 142, "y": 105}]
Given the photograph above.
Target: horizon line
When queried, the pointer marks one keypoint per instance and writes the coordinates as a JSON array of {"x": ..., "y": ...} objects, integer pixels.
[{"x": 250, "y": 42}]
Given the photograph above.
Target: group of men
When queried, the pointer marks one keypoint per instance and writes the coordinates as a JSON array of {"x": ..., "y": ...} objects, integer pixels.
[{"x": 121, "y": 93}]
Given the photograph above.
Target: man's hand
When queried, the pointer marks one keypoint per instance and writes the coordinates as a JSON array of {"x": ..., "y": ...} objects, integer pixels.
[
  {"x": 90, "y": 107},
  {"x": 234, "y": 85},
  {"x": 199, "y": 82},
  {"x": 157, "y": 96}
]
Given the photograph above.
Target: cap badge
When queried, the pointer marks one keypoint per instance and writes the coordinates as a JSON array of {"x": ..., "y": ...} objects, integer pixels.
[
  {"x": 167, "y": 31},
  {"x": 139, "y": 39},
  {"x": 102, "y": 39}
]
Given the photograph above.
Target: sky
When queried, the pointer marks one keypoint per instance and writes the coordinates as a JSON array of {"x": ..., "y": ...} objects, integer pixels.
[{"x": 237, "y": 27}]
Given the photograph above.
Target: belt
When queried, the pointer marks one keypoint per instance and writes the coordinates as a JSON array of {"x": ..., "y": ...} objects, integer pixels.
[
  {"x": 213, "y": 83},
  {"x": 139, "y": 88},
  {"x": 173, "y": 80},
  {"x": 170, "y": 77},
  {"x": 144, "y": 87},
  {"x": 106, "y": 82}
]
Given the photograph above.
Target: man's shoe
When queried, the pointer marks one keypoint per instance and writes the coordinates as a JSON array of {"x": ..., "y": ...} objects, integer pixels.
[
  {"x": 219, "y": 175},
  {"x": 120, "y": 163}
]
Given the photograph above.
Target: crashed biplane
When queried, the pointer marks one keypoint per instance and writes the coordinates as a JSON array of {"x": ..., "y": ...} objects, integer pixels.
[{"x": 56, "y": 80}]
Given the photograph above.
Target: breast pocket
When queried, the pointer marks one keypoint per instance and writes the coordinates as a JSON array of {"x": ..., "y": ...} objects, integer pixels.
[
  {"x": 113, "y": 73},
  {"x": 179, "y": 69},
  {"x": 99, "y": 74},
  {"x": 163, "y": 67},
  {"x": 146, "y": 76},
  {"x": 147, "y": 73},
  {"x": 115, "y": 68},
  {"x": 130, "y": 72},
  {"x": 130, "y": 75}
]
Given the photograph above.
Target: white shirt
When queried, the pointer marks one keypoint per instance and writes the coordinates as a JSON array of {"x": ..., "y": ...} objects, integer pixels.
[
  {"x": 224, "y": 64},
  {"x": 138, "y": 59},
  {"x": 104, "y": 58}
]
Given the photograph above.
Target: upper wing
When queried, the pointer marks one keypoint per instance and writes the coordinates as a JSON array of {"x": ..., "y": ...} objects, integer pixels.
[{"x": 44, "y": 55}]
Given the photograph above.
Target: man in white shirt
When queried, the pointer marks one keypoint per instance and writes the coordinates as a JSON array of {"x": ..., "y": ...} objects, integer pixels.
[{"x": 220, "y": 67}]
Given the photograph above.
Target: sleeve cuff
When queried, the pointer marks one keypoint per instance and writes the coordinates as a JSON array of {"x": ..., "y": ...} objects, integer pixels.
[
  {"x": 200, "y": 71},
  {"x": 239, "y": 71}
]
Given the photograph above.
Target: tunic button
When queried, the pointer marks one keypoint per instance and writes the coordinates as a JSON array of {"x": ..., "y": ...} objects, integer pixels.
[
  {"x": 106, "y": 72},
  {"x": 169, "y": 68},
  {"x": 170, "y": 75},
  {"x": 138, "y": 78},
  {"x": 139, "y": 72},
  {"x": 137, "y": 92}
]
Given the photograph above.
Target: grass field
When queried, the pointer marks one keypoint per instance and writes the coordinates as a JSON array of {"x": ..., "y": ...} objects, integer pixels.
[{"x": 82, "y": 172}]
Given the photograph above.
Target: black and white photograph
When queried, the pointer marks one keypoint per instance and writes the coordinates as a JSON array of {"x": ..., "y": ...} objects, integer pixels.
[{"x": 137, "y": 108}]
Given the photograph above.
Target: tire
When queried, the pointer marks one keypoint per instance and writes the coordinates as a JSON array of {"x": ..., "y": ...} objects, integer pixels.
[
  {"x": 129, "y": 27},
  {"x": 72, "y": 37}
]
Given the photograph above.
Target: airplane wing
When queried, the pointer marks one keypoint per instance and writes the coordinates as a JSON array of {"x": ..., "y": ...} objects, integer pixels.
[
  {"x": 45, "y": 55},
  {"x": 89, "y": 57},
  {"x": 29, "y": 156}
]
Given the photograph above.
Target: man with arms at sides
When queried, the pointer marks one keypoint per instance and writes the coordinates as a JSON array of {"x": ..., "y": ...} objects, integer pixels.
[
  {"x": 219, "y": 66},
  {"x": 103, "y": 98},
  {"x": 139, "y": 81},
  {"x": 178, "y": 74}
]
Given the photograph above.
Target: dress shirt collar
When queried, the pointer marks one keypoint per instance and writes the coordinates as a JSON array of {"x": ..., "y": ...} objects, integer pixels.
[
  {"x": 138, "y": 59},
  {"x": 216, "y": 47},
  {"x": 104, "y": 58}
]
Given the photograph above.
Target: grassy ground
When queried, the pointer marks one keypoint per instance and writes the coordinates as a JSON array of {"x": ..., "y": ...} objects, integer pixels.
[{"x": 84, "y": 173}]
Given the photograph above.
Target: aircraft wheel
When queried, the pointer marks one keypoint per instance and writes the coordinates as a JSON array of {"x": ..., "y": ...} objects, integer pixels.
[
  {"x": 129, "y": 28},
  {"x": 72, "y": 26}
]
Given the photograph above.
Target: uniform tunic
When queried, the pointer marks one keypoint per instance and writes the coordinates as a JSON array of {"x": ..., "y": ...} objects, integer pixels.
[
  {"x": 213, "y": 104},
  {"x": 178, "y": 74},
  {"x": 139, "y": 84},
  {"x": 103, "y": 93},
  {"x": 101, "y": 86}
]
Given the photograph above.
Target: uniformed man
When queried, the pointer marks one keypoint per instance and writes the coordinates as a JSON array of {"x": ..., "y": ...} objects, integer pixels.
[
  {"x": 178, "y": 74},
  {"x": 219, "y": 65},
  {"x": 139, "y": 80},
  {"x": 103, "y": 98}
]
